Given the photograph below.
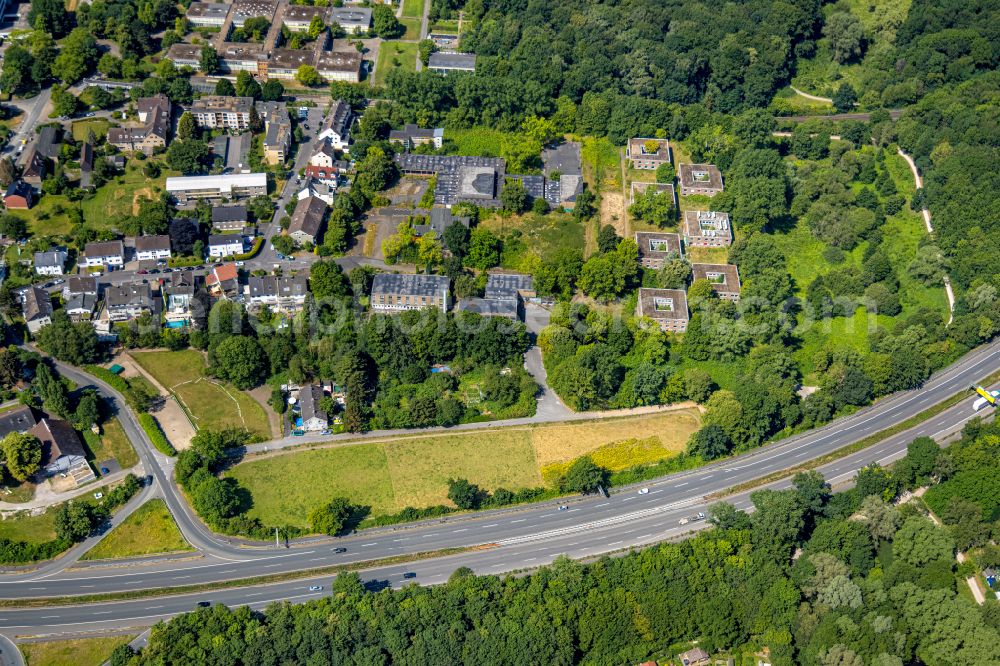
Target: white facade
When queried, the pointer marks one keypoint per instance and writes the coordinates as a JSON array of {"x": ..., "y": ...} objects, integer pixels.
[
  {"x": 228, "y": 248},
  {"x": 50, "y": 263},
  {"x": 153, "y": 254}
]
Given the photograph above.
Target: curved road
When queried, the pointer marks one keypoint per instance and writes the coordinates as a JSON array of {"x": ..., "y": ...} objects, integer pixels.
[{"x": 509, "y": 539}]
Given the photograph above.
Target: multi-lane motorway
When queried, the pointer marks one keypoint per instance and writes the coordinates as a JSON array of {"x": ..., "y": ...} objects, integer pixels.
[{"x": 507, "y": 540}]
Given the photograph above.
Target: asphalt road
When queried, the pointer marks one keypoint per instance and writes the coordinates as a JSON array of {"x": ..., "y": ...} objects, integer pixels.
[{"x": 507, "y": 539}]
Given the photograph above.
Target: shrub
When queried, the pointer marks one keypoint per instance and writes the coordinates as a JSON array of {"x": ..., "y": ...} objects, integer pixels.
[{"x": 155, "y": 434}]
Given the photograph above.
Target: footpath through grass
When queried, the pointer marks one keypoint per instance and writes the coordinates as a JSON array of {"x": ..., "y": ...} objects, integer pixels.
[
  {"x": 395, "y": 473},
  {"x": 150, "y": 530},
  {"x": 72, "y": 652}
]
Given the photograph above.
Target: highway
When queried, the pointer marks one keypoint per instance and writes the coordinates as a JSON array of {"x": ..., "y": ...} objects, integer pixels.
[{"x": 507, "y": 540}]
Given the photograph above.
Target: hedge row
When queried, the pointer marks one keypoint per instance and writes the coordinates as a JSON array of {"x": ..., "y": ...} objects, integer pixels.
[
  {"x": 155, "y": 434},
  {"x": 138, "y": 401}
]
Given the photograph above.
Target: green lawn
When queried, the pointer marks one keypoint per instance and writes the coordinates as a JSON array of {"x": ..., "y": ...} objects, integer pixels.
[
  {"x": 72, "y": 652},
  {"x": 445, "y": 26},
  {"x": 115, "y": 440},
  {"x": 151, "y": 529},
  {"x": 477, "y": 141},
  {"x": 804, "y": 256},
  {"x": 99, "y": 126},
  {"x": 601, "y": 162},
  {"x": 210, "y": 403},
  {"x": 119, "y": 198},
  {"x": 49, "y": 217},
  {"x": 413, "y": 8},
  {"x": 33, "y": 529},
  {"x": 789, "y": 102},
  {"x": 412, "y": 26},
  {"x": 393, "y": 55}
]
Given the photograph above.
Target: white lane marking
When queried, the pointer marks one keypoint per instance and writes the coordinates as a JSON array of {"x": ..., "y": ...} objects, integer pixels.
[
  {"x": 599, "y": 505},
  {"x": 365, "y": 545},
  {"x": 519, "y": 520},
  {"x": 681, "y": 485},
  {"x": 464, "y": 529}
]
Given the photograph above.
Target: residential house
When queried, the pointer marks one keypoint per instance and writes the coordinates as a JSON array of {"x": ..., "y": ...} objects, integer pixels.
[
  {"x": 706, "y": 228},
  {"x": 223, "y": 281},
  {"x": 394, "y": 292},
  {"x": 308, "y": 220},
  {"x": 129, "y": 301},
  {"x": 725, "y": 279},
  {"x": 225, "y": 245},
  {"x": 62, "y": 451},
  {"x": 656, "y": 248},
  {"x": 229, "y": 186},
  {"x": 695, "y": 657},
  {"x": 152, "y": 248},
  {"x": 282, "y": 294},
  {"x": 339, "y": 66},
  {"x": 445, "y": 62},
  {"x": 646, "y": 153},
  {"x": 230, "y": 218},
  {"x": 49, "y": 142},
  {"x": 207, "y": 14},
  {"x": 104, "y": 253},
  {"x": 35, "y": 167},
  {"x": 703, "y": 179},
  {"x": 411, "y": 136},
  {"x": 323, "y": 154},
  {"x": 222, "y": 111},
  {"x": 19, "y": 419},
  {"x": 86, "y": 166},
  {"x": 277, "y": 131},
  {"x": 352, "y": 20},
  {"x": 155, "y": 115},
  {"x": 336, "y": 127},
  {"x": 36, "y": 306},
  {"x": 180, "y": 296},
  {"x": 313, "y": 418},
  {"x": 80, "y": 307},
  {"x": 667, "y": 307},
  {"x": 328, "y": 175},
  {"x": 51, "y": 262},
  {"x": 319, "y": 190},
  {"x": 19, "y": 195},
  {"x": 78, "y": 285}
]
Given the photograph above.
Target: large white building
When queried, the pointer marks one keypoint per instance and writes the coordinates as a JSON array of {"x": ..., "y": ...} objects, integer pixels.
[{"x": 227, "y": 186}]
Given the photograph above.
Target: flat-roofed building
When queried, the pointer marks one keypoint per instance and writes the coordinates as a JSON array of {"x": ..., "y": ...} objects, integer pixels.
[
  {"x": 285, "y": 63},
  {"x": 185, "y": 55},
  {"x": 646, "y": 153},
  {"x": 657, "y": 248},
  {"x": 508, "y": 308},
  {"x": 706, "y": 228},
  {"x": 215, "y": 111},
  {"x": 298, "y": 17},
  {"x": 445, "y": 62},
  {"x": 339, "y": 66},
  {"x": 703, "y": 179},
  {"x": 207, "y": 14},
  {"x": 394, "y": 293},
  {"x": 227, "y": 186},
  {"x": 239, "y": 57},
  {"x": 638, "y": 188},
  {"x": 725, "y": 279},
  {"x": 352, "y": 20},
  {"x": 667, "y": 307},
  {"x": 248, "y": 9},
  {"x": 501, "y": 285}
]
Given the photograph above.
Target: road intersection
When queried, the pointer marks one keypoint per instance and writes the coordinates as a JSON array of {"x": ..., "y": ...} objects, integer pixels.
[{"x": 494, "y": 541}]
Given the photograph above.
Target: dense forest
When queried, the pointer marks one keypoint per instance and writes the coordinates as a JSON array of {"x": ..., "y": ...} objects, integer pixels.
[{"x": 819, "y": 579}]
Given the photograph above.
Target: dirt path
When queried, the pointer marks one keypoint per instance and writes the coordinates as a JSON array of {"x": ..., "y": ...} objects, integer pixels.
[
  {"x": 814, "y": 98},
  {"x": 930, "y": 230},
  {"x": 175, "y": 423},
  {"x": 262, "y": 394}
]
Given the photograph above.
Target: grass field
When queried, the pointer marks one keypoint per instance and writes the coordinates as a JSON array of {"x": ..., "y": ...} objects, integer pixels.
[
  {"x": 211, "y": 404},
  {"x": 72, "y": 652},
  {"x": 412, "y": 26},
  {"x": 151, "y": 529},
  {"x": 49, "y": 217},
  {"x": 789, "y": 102},
  {"x": 111, "y": 443},
  {"x": 414, "y": 471},
  {"x": 34, "y": 529},
  {"x": 99, "y": 126},
  {"x": 118, "y": 198},
  {"x": 413, "y": 8},
  {"x": 392, "y": 55},
  {"x": 477, "y": 141},
  {"x": 601, "y": 163},
  {"x": 445, "y": 26}
]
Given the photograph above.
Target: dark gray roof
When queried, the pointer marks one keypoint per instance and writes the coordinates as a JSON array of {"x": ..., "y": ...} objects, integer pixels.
[
  {"x": 497, "y": 307},
  {"x": 309, "y": 397},
  {"x": 503, "y": 285},
  {"x": 339, "y": 118},
  {"x": 149, "y": 243},
  {"x": 21, "y": 419},
  {"x": 446, "y": 60},
  {"x": 125, "y": 295},
  {"x": 308, "y": 216},
  {"x": 229, "y": 214},
  {"x": 50, "y": 258},
  {"x": 105, "y": 249},
  {"x": 81, "y": 302},
  {"x": 36, "y": 304},
  {"x": 49, "y": 141},
  {"x": 442, "y": 218},
  {"x": 282, "y": 287},
  {"x": 81, "y": 284},
  {"x": 410, "y": 284}
]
